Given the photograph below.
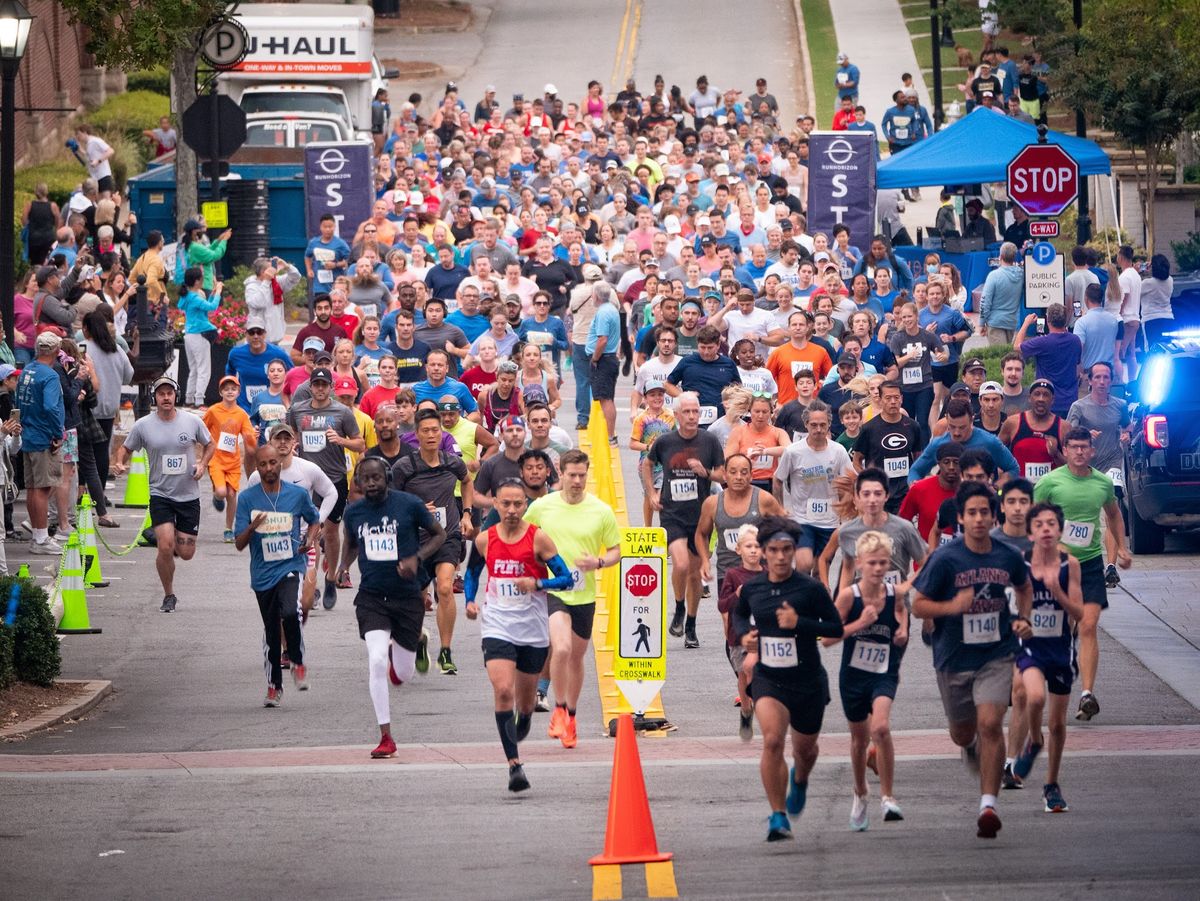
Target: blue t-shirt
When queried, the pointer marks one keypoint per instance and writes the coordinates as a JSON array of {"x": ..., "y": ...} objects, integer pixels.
[
  {"x": 387, "y": 325},
  {"x": 878, "y": 355},
  {"x": 553, "y": 326},
  {"x": 386, "y": 533},
  {"x": 1000, "y": 454},
  {"x": 846, "y": 73},
  {"x": 267, "y": 409},
  {"x": 472, "y": 326},
  {"x": 275, "y": 545},
  {"x": 336, "y": 251},
  {"x": 970, "y": 640},
  {"x": 949, "y": 321},
  {"x": 425, "y": 391},
  {"x": 251, "y": 370},
  {"x": 605, "y": 324},
  {"x": 707, "y": 378},
  {"x": 1058, "y": 355},
  {"x": 1099, "y": 331},
  {"x": 40, "y": 400}
]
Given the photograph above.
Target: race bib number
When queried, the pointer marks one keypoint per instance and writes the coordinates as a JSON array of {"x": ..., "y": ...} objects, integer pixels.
[
  {"x": 945, "y": 539},
  {"x": 380, "y": 548},
  {"x": 763, "y": 461},
  {"x": 277, "y": 548},
  {"x": 684, "y": 490},
  {"x": 871, "y": 656},
  {"x": 981, "y": 628},
  {"x": 313, "y": 441},
  {"x": 253, "y": 391},
  {"x": 731, "y": 539},
  {"x": 1117, "y": 474},
  {"x": 1046, "y": 623},
  {"x": 578, "y": 579},
  {"x": 891, "y": 577},
  {"x": 325, "y": 276},
  {"x": 1077, "y": 534},
  {"x": 896, "y": 467},
  {"x": 817, "y": 506},
  {"x": 911, "y": 375},
  {"x": 541, "y": 339},
  {"x": 1034, "y": 471},
  {"x": 779, "y": 653},
  {"x": 798, "y": 436},
  {"x": 373, "y": 379},
  {"x": 801, "y": 366},
  {"x": 228, "y": 442},
  {"x": 506, "y": 594},
  {"x": 174, "y": 464},
  {"x": 901, "y": 134},
  {"x": 708, "y": 415},
  {"x": 439, "y": 516}
]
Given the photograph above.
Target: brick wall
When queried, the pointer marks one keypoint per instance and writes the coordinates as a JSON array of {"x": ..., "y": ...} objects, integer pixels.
[{"x": 49, "y": 77}]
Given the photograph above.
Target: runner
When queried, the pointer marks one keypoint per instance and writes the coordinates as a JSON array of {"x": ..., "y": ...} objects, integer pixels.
[
  {"x": 1035, "y": 436},
  {"x": 990, "y": 417},
  {"x": 890, "y": 441},
  {"x": 706, "y": 373},
  {"x": 781, "y": 613},
  {"x": 170, "y": 437},
  {"x": 1084, "y": 493},
  {"x": 1045, "y": 660},
  {"x": 516, "y": 634},
  {"x": 749, "y": 565},
  {"x": 226, "y": 423},
  {"x": 268, "y": 521},
  {"x": 435, "y": 476},
  {"x": 326, "y": 430},
  {"x": 963, "y": 589},
  {"x": 691, "y": 462},
  {"x": 648, "y": 425},
  {"x": 925, "y": 497},
  {"x": 741, "y": 503},
  {"x": 584, "y": 529},
  {"x": 908, "y": 548},
  {"x": 876, "y": 634},
  {"x": 382, "y": 531}
]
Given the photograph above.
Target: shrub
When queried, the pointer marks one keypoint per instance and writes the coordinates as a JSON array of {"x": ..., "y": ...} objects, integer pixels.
[
  {"x": 130, "y": 113},
  {"x": 128, "y": 159},
  {"x": 8, "y": 675},
  {"x": 155, "y": 81},
  {"x": 36, "y": 655},
  {"x": 62, "y": 177},
  {"x": 1187, "y": 253}
]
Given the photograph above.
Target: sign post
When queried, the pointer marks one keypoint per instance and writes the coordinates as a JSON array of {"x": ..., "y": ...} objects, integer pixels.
[{"x": 640, "y": 651}]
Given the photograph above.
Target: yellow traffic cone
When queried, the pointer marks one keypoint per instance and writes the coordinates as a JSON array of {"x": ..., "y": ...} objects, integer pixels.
[
  {"x": 75, "y": 619},
  {"x": 91, "y": 553},
  {"x": 137, "y": 486}
]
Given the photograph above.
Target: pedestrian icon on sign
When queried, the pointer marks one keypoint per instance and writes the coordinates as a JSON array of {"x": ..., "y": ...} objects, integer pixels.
[{"x": 643, "y": 634}]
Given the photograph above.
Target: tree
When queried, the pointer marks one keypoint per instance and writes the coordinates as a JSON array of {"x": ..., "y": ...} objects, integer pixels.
[
  {"x": 1135, "y": 75},
  {"x": 130, "y": 35}
]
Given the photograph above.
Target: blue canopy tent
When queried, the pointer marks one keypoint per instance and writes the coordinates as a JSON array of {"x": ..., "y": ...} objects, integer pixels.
[{"x": 977, "y": 149}]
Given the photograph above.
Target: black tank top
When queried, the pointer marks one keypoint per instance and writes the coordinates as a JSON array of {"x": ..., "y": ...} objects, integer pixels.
[
  {"x": 871, "y": 652},
  {"x": 42, "y": 224}
]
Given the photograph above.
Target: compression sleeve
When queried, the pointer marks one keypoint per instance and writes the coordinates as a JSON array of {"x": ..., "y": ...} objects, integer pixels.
[{"x": 562, "y": 580}]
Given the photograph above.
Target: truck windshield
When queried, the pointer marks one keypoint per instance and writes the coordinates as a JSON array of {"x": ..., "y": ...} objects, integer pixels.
[
  {"x": 289, "y": 134},
  {"x": 294, "y": 102}
]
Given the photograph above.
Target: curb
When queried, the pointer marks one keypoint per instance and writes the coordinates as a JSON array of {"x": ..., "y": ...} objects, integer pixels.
[
  {"x": 810, "y": 90},
  {"x": 95, "y": 691}
]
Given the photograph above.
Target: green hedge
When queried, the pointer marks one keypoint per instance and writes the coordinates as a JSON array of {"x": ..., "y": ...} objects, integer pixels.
[
  {"x": 8, "y": 674},
  {"x": 157, "y": 81},
  {"x": 131, "y": 113},
  {"x": 36, "y": 654}
]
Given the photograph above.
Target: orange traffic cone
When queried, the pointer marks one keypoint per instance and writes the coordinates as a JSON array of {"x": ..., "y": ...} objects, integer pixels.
[{"x": 629, "y": 837}]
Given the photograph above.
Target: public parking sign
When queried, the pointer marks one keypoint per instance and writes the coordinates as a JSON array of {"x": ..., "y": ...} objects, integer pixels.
[
  {"x": 640, "y": 651},
  {"x": 1043, "y": 179}
]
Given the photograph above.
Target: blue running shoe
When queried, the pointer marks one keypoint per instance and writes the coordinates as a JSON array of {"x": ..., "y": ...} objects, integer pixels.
[
  {"x": 1024, "y": 762},
  {"x": 1052, "y": 795},
  {"x": 797, "y": 794},
  {"x": 778, "y": 827}
]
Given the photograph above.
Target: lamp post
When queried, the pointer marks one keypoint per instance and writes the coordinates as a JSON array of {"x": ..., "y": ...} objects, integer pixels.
[
  {"x": 939, "y": 114},
  {"x": 15, "y": 22}
]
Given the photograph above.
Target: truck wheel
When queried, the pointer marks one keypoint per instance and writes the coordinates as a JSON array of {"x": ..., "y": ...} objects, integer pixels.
[{"x": 1145, "y": 537}]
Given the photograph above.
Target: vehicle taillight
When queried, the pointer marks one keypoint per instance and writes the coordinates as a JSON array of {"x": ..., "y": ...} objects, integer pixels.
[{"x": 1155, "y": 431}]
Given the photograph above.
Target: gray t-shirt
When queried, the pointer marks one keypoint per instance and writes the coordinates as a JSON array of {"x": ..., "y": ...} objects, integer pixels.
[
  {"x": 310, "y": 424},
  {"x": 1108, "y": 420},
  {"x": 1019, "y": 543},
  {"x": 907, "y": 547},
  {"x": 1016, "y": 403},
  {"x": 1074, "y": 288},
  {"x": 171, "y": 446},
  {"x": 433, "y": 485},
  {"x": 437, "y": 337}
]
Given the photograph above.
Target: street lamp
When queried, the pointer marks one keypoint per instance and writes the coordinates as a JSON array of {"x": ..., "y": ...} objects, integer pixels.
[{"x": 15, "y": 22}]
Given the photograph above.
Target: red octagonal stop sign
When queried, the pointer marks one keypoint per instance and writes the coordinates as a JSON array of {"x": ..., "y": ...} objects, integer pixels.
[
  {"x": 641, "y": 580},
  {"x": 1043, "y": 179}
]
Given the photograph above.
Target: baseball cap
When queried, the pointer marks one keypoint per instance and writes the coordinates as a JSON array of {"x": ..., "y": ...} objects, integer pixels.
[
  {"x": 490, "y": 89},
  {"x": 231, "y": 379},
  {"x": 343, "y": 384},
  {"x": 253, "y": 321},
  {"x": 707, "y": 241},
  {"x": 764, "y": 158},
  {"x": 279, "y": 428},
  {"x": 321, "y": 374},
  {"x": 973, "y": 363},
  {"x": 990, "y": 388},
  {"x": 650, "y": 261},
  {"x": 949, "y": 449},
  {"x": 49, "y": 341},
  {"x": 6, "y": 370},
  {"x": 988, "y": 94},
  {"x": 550, "y": 89},
  {"x": 592, "y": 272},
  {"x": 959, "y": 386},
  {"x": 324, "y": 356},
  {"x": 312, "y": 342},
  {"x": 821, "y": 257},
  {"x": 509, "y": 422},
  {"x": 158, "y": 382},
  {"x": 702, "y": 219},
  {"x": 654, "y": 385},
  {"x": 848, "y": 358},
  {"x": 721, "y": 169},
  {"x": 1041, "y": 383},
  {"x": 487, "y": 182},
  {"x": 841, "y": 57}
]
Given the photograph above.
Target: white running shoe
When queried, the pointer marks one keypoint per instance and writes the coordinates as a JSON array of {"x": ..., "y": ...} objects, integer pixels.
[
  {"x": 858, "y": 814},
  {"x": 49, "y": 547},
  {"x": 890, "y": 810}
]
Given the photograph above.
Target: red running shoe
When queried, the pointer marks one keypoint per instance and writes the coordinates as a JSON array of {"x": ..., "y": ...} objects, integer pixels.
[
  {"x": 386, "y": 748},
  {"x": 989, "y": 823}
]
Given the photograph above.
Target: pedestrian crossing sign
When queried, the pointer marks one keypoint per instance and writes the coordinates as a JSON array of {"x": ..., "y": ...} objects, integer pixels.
[{"x": 640, "y": 652}]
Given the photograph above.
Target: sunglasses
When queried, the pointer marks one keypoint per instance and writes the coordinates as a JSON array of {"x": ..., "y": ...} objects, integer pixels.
[{"x": 256, "y": 331}]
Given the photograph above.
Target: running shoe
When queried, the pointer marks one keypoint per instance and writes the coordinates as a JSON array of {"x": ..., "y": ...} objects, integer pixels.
[
  {"x": 873, "y": 758},
  {"x": 797, "y": 794},
  {"x": 385, "y": 748},
  {"x": 690, "y": 640},
  {"x": 676, "y": 628},
  {"x": 858, "y": 814},
  {"x": 988, "y": 823},
  {"x": 47, "y": 548},
  {"x": 343, "y": 579},
  {"x": 517, "y": 781},
  {"x": 218, "y": 504},
  {"x": 540, "y": 705},
  {"x": 1024, "y": 761},
  {"x": 27, "y": 526},
  {"x": 778, "y": 827},
  {"x": 285, "y": 662},
  {"x": 890, "y": 810},
  {"x": 168, "y": 604},
  {"x": 329, "y": 596},
  {"x": 423, "y": 653},
  {"x": 458, "y": 584},
  {"x": 300, "y": 677},
  {"x": 447, "y": 665},
  {"x": 1088, "y": 707},
  {"x": 228, "y": 536},
  {"x": 1010, "y": 780},
  {"x": 613, "y": 441},
  {"x": 1055, "y": 803},
  {"x": 745, "y": 726},
  {"x": 569, "y": 737},
  {"x": 1112, "y": 578},
  {"x": 558, "y": 723},
  {"x": 705, "y": 591},
  {"x": 274, "y": 696},
  {"x": 970, "y": 758}
]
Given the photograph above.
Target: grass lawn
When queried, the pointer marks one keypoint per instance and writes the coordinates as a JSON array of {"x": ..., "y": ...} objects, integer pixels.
[
  {"x": 919, "y": 31},
  {"x": 823, "y": 50}
]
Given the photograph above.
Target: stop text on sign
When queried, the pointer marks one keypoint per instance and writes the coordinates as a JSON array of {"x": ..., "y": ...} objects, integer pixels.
[
  {"x": 641, "y": 580},
  {"x": 1043, "y": 181}
]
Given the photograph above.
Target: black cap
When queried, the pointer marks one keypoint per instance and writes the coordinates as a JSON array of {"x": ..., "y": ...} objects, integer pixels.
[
  {"x": 973, "y": 363},
  {"x": 707, "y": 241},
  {"x": 1042, "y": 383},
  {"x": 321, "y": 374}
]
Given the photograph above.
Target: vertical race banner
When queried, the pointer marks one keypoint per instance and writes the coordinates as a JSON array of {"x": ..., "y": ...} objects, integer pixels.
[
  {"x": 841, "y": 183},
  {"x": 337, "y": 181}
]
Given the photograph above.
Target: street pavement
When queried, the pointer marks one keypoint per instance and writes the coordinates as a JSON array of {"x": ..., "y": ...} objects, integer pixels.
[{"x": 182, "y": 784}]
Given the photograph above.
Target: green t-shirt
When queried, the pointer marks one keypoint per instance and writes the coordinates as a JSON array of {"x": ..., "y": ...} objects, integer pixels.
[
  {"x": 578, "y": 530},
  {"x": 1082, "y": 500}
]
